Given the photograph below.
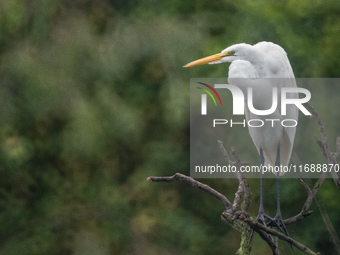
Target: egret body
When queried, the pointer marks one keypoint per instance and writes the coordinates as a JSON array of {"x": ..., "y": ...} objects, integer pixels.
[{"x": 257, "y": 63}]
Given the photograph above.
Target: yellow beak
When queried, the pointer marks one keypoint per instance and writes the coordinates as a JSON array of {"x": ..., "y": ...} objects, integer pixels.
[{"x": 212, "y": 58}]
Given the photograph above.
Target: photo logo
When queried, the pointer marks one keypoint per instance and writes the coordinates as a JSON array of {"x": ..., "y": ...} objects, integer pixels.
[
  {"x": 277, "y": 108},
  {"x": 239, "y": 99},
  {"x": 204, "y": 97}
]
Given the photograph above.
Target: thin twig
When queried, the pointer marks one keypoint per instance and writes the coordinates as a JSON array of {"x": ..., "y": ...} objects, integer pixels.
[
  {"x": 225, "y": 154},
  {"x": 238, "y": 161},
  {"x": 331, "y": 160},
  {"x": 246, "y": 187},
  {"x": 306, "y": 187},
  {"x": 247, "y": 196},
  {"x": 245, "y": 217},
  {"x": 321, "y": 129},
  {"x": 240, "y": 220},
  {"x": 325, "y": 147},
  {"x": 301, "y": 247},
  {"x": 337, "y": 148},
  {"x": 243, "y": 182},
  {"x": 240, "y": 188},
  {"x": 304, "y": 212},
  {"x": 191, "y": 181},
  {"x": 329, "y": 224}
]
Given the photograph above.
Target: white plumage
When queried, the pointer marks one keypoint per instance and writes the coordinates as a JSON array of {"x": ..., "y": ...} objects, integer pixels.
[
  {"x": 265, "y": 65},
  {"x": 262, "y": 67}
]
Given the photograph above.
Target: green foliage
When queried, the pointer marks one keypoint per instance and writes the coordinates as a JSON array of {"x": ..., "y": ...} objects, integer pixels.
[{"x": 94, "y": 99}]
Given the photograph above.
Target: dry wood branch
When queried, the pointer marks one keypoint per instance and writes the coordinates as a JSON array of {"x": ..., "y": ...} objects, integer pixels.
[
  {"x": 240, "y": 220},
  {"x": 305, "y": 208},
  {"x": 329, "y": 225},
  {"x": 256, "y": 225},
  {"x": 235, "y": 219},
  {"x": 321, "y": 129},
  {"x": 243, "y": 182},
  {"x": 192, "y": 182},
  {"x": 306, "y": 187},
  {"x": 337, "y": 144},
  {"x": 265, "y": 231},
  {"x": 322, "y": 147},
  {"x": 237, "y": 199},
  {"x": 331, "y": 158},
  {"x": 240, "y": 188},
  {"x": 321, "y": 208},
  {"x": 245, "y": 218},
  {"x": 225, "y": 154},
  {"x": 238, "y": 161},
  {"x": 247, "y": 196}
]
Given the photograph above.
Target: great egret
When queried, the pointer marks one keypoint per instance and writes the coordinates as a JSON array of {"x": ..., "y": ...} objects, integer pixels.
[{"x": 274, "y": 143}]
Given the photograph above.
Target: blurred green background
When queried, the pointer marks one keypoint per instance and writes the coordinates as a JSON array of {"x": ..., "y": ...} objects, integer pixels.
[{"x": 94, "y": 99}]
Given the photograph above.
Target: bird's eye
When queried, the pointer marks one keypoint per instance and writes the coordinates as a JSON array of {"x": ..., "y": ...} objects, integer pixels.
[{"x": 232, "y": 52}]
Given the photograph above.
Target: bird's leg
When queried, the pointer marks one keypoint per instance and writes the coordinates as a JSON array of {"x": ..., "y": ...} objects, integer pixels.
[
  {"x": 278, "y": 217},
  {"x": 261, "y": 217},
  {"x": 277, "y": 221}
]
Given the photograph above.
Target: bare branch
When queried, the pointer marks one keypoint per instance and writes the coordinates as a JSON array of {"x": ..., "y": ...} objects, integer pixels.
[
  {"x": 321, "y": 145},
  {"x": 237, "y": 199},
  {"x": 306, "y": 187},
  {"x": 321, "y": 208},
  {"x": 265, "y": 231},
  {"x": 296, "y": 159},
  {"x": 256, "y": 225},
  {"x": 321, "y": 130},
  {"x": 246, "y": 188},
  {"x": 238, "y": 161},
  {"x": 245, "y": 218},
  {"x": 225, "y": 154},
  {"x": 337, "y": 148},
  {"x": 247, "y": 196},
  {"x": 331, "y": 159},
  {"x": 325, "y": 147},
  {"x": 311, "y": 194},
  {"x": 329, "y": 225},
  {"x": 240, "y": 189},
  {"x": 241, "y": 221},
  {"x": 236, "y": 219},
  {"x": 243, "y": 182},
  {"x": 192, "y": 182}
]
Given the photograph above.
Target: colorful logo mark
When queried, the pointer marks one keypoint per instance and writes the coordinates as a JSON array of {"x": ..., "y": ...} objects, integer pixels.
[{"x": 208, "y": 92}]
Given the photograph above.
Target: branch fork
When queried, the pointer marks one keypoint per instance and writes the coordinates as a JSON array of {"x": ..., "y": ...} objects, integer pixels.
[{"x": 236, "y": 215}]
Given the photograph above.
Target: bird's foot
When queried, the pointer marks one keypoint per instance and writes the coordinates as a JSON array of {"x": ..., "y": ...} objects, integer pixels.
[
  {"x": 264, "y": 219},
  {"x": 278, "y": 223}
]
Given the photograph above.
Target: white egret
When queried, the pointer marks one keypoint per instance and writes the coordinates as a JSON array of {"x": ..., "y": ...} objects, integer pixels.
[{"x": 274, "y": 143}]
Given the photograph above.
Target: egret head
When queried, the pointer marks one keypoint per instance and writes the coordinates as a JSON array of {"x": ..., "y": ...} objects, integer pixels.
[{"x": 241, "y": 51}]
